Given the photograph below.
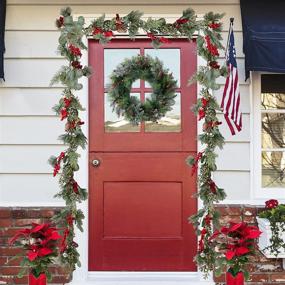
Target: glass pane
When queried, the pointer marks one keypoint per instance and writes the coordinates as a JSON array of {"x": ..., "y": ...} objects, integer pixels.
[
  {"x": 112, "y": 58},
  {"x": 172, "y": 120},
  {"x": 272, "y": 101},
  {"x": 170, "y": 59},
  {"x": 273, "y": 167},
  {"x": 114, "y": 123},
  {"x": 273, "y": 130}
]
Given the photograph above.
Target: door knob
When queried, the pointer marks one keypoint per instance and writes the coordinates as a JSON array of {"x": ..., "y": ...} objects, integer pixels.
[{"x": 96, "y": 162}]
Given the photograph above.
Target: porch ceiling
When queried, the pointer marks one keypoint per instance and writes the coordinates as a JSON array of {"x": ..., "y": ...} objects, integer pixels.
[{"x": 120, "y": 2}]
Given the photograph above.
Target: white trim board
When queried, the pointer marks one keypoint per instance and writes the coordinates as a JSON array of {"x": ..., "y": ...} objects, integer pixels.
[{"x": 143, "y": 278}]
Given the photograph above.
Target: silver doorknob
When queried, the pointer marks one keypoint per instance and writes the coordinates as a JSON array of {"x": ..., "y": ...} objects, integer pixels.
[{"x": 96, "y": 162}]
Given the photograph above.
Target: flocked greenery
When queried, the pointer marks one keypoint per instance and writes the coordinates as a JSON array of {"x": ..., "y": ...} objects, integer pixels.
[
  {"x": 152, "y": 71},
  {"x": 276, "y": 217},
  {"x": 207, "y": 33}
]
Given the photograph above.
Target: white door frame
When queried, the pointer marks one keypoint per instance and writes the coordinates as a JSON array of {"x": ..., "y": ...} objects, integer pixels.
[{"x": 82, "y": 276}]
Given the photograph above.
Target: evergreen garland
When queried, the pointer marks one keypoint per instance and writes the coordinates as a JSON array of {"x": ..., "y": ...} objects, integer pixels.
[
  {"x": 207, "y": 33},
  {"x": 152, "y": 71}
]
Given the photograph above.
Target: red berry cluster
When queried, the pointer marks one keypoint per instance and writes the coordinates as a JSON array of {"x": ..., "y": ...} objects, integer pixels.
[
  {"x": 75, "y": 50},
  {"x": 159, "y": 39},
  {"x": 211, "y": 47},
  {"x": 99, "y": 31},
  {"x": 214, "y": 26}
]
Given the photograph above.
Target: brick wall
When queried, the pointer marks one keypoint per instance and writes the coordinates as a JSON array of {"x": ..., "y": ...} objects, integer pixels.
[
  {"x": 11, "y": 220},
  {"x": 263, "y": 271}
]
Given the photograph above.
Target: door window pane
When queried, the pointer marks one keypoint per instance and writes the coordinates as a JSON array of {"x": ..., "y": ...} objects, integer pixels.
[
  {"x": 170, "y": 59},
  {"x": 115, "y": 123},
  {"x": 171, "y": 122},
  {"x": 112, "y": 58}
]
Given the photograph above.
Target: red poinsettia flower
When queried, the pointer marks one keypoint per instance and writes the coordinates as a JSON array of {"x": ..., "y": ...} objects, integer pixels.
[
  {"x": 39, "y": 252},
  {"x": 271, "y": 204}
]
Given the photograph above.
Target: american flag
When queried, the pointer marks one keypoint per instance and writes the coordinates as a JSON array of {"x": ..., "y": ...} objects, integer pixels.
[{"x": 231, "y": 96}]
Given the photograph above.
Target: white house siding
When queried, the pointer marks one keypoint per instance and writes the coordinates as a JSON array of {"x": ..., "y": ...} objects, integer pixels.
[{"x": 28, "y": 127}]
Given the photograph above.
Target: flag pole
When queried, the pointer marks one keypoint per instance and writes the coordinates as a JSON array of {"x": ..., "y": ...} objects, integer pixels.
[{"x": 230, "y": 27}]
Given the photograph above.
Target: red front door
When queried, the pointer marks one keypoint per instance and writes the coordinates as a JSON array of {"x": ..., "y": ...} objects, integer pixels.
[{"x": 141, "y": 193}]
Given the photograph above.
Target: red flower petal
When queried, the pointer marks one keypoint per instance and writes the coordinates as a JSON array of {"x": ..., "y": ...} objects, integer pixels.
[
  {"x": 55, "y": 236},
  {"x": 241, "y": 250},
  {"x": 44, "y": 251},
  {"x": 32, "y": 255},
  {"x": 254, "y": 234},
  {"x": 230, "y": 254}
]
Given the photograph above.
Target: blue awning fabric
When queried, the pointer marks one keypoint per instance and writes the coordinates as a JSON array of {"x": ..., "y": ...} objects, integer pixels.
[
  {"x": 263, "y": 24},
  {"x": 2, "y": 32}
]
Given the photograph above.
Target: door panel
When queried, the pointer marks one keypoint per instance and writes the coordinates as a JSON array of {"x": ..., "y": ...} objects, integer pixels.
[
  {"x": 138, "y": 217},
  {"x": 141, "y": 194}
]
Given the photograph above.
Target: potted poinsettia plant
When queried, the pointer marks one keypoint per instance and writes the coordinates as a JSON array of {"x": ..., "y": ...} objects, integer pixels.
[
  {"x": 40, "y": 243},
  {"x": 236, "y": 243},
  {"x": 272, "y": 222}
]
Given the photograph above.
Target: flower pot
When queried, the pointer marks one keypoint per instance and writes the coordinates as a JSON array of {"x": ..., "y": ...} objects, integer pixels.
[
  {"x": 264, "y": 240},
  {"x": 235, "y": 280},
  {"x": 41, "y": 280}
]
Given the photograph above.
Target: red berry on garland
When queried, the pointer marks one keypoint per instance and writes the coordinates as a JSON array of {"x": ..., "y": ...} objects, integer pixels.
[
  {"x": 271, "y": 204},
  {"x": 61, "y": 156},
  {"x": 164, "y": 40},
  {"x": 214, "y": 65},
  {"x": 204, "y": 102},
  {"x": 120, "y": 27},
  {"x": 151, "y": 36},
  {"x": 76, "y": 64},
  {"x": 201, "y": 114},
  {"x": 97, "y": 31},
  {"x": 63, "y": 114},
  {"x": 108, "y": 34},
  {"x": 211, "y": 47},
  {"x": 208, "y": 220},
  {"x": 74, "y": 50},
  {"x": 67, "y": 102},
  {"x": 56, "y": 169},
  {"x": 75, "y": 187},
  {"x": 60, "y": 22},
  {"x": 213, "y": 187},
  {"x": 214, "y": 26}
]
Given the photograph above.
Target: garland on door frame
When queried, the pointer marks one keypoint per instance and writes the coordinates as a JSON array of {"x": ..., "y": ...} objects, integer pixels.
[{"x": 208, "y": 36}]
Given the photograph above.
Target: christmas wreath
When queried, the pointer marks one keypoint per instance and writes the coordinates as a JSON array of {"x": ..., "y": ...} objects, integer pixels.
[{"x": 161, "y": 81}]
